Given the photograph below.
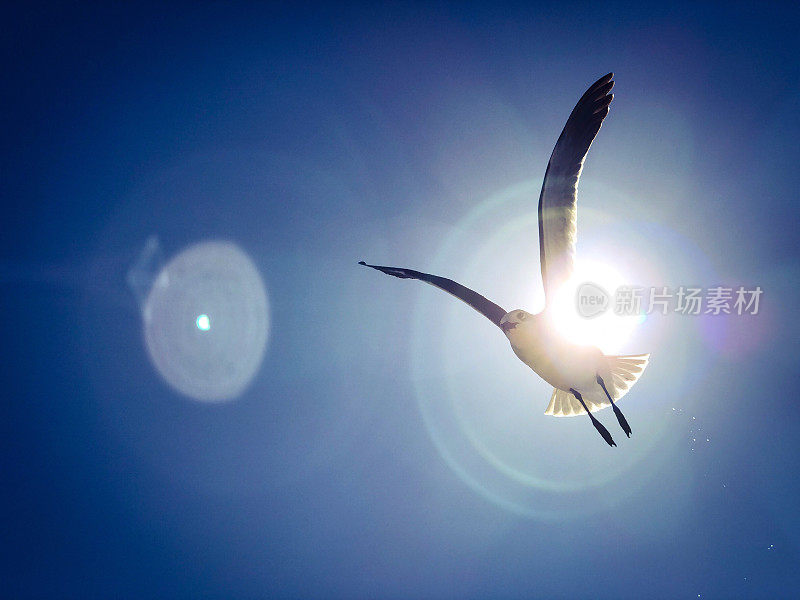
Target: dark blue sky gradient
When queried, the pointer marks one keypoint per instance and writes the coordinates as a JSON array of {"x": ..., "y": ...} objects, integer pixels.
[{"x": 317, "y": 136}]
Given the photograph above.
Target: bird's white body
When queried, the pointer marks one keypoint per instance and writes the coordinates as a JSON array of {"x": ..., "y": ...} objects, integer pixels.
[
  {"x": 567, "y": 366},
  {"x": 560, "y": 363}
]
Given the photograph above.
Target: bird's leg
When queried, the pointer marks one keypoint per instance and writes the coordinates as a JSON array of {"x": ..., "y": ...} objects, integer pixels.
[
  {"x": 620, "y": 417},
  {"x": 597, "y": 424}
]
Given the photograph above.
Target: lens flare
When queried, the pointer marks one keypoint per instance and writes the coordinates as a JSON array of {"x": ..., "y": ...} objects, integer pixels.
[
  {"x": 205, "y": 364},
  {"x": 203, "y": 323}
]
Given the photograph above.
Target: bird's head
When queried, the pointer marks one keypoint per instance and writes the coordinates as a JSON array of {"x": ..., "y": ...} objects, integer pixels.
[{"x": 512, "y": 319}]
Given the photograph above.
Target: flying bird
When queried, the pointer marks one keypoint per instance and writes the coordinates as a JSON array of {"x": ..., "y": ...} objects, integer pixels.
[{"x": 584, "y": 379}]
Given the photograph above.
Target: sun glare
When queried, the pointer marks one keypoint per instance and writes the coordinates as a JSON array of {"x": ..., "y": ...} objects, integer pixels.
[{"x": 584, "y": 308}]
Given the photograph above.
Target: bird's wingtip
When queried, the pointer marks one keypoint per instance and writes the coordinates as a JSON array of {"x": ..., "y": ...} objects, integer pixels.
[{"x": 361, "y": 262}]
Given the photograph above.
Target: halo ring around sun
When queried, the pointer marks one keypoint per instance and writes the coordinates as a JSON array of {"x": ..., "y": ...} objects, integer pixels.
[{"x": 451, "y": 387}]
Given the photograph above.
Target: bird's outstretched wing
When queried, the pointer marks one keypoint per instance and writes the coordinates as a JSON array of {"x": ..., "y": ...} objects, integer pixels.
[
  {"x": 486, "y": 307},
  {"x": 558, "y": 210}
]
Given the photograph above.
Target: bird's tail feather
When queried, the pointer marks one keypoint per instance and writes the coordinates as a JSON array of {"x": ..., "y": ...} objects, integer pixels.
[{"x": 620, "y": 374}]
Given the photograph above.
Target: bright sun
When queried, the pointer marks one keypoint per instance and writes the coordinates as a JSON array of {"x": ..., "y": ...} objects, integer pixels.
[{"x": 606, "y": 330}]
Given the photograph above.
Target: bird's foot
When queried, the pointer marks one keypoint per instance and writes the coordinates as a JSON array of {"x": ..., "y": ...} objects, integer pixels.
[
  {"x": 597, "y": 424},
  {"x": 623, "y": 422},
  {"x": 603, "y": 431}
]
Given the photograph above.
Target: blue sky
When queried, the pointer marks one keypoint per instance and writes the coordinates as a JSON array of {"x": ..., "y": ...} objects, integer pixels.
[{"x": 390, "y": 444}]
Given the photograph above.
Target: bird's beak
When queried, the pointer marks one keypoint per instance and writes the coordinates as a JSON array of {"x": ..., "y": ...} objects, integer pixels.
[{"x": 507, "y": 325}]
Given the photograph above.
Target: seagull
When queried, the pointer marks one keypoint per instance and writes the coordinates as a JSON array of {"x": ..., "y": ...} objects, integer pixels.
[{"x": 584, "y": 379}]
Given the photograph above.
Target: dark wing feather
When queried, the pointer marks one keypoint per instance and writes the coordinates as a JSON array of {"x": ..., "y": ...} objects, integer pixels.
[
  {"x": 486, "y": 307},
  {"x": 558, "y": 209}
]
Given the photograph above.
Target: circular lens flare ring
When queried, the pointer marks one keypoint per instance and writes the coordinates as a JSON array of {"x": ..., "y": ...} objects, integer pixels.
[
  {"x": 491, "y": 441},
  {"x": 221, "y": 279}
]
